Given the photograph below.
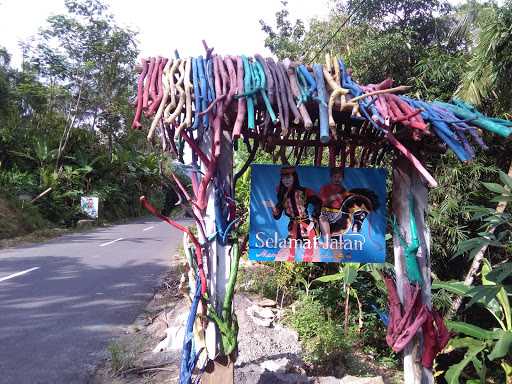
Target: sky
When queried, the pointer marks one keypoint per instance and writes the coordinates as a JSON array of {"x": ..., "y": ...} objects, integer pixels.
[{"x": 231, "y": 26}]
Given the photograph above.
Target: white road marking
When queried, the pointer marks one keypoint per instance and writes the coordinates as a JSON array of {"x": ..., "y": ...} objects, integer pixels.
[
  {"x": 18, "y": 274},
  {"x": 111, "y": 242},
  {"x": 147, "y": 229}
]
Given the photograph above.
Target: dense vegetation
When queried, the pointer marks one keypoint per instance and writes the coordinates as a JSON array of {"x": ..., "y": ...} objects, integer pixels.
[
  {"x": 442, "y": 51},
  {"x": 63, "y": 122}
]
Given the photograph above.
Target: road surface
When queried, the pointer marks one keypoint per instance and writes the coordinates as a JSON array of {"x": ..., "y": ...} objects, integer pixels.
[{"x": 62, "y": 301}]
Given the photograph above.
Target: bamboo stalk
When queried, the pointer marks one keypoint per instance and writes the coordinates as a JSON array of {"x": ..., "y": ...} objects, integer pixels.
[{"x": 41, "y": 194}]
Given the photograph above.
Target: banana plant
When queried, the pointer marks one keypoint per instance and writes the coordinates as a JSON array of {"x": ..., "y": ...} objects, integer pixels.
[
  {"x": 348, "y": 273},
  {"x": 481, "y": 344},
  {"x": 41, "y": 155}
]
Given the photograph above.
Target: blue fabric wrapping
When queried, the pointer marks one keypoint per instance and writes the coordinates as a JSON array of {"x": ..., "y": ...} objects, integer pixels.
[
  {"x": 303, "y": 87},
  {"x": 460, "y": 125},
  {"x": 263, "y": 89},
  {"x": 323, "y": 110},
  {"x": 204, "y": 88},
  {"x": 188, "y": 355},
  {"x": 222, "y": 226},
  {"x": 356, "y": 90},
  {"x": 221, "y": 223},
  {"x": 459, "y": 128},
  {"x": 441, "y": 129},
  {"x": 383, "y": 316},
  {"x": 377, "y": 127},
  {"x": 310, "y": 80},
  {"x": 208, "y": 69},
  {"x": 248, "y": 91},
  {"x": 463, "y": 110},
  {"x": 197, "y": 97},
  {"x": 347, "y": 82}
]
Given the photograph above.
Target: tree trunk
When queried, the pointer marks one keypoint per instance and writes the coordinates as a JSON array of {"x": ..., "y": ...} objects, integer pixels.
[
  {"x": 70, "y": 121},
  {"x": 110, "y": 146},
  {"x": 407, "y": 182},
  {"x": 220, "y": 369},
  {"x": 94, "y": 120},
  {"x": 347, "y": 309}
]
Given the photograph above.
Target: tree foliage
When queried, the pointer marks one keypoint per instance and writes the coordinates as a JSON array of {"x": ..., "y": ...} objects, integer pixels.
[
  {"x": 489, "y": 71},
  {"x": 440, "y": 50},
  {"x": 64, "y": 114}
]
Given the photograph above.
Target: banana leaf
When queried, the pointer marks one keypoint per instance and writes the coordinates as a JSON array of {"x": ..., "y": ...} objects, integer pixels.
[{"x": 473, "y": 346}]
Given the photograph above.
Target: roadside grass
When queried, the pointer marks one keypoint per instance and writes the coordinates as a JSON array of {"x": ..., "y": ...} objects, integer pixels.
[
  {"x": 19, "y": 218},
  {"x": 123, "y": 356}
]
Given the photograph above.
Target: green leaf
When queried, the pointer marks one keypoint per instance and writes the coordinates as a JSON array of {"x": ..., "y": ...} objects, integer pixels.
[
  {"x": 474, "y": 244},
  {"x": 456, "y": 287},
  {"x": 480, "y": 369},
  {"x": 493, "y": 187},
  {"x": 350, "y": 272},
  {"x": 329, "y": 278},
  {"x": 502, "y": 347},
  {"x": 508, "y": 371},
  {"x": 506, "y": 179},
  {"x": 501, "y": 198},
  {"x": 501, "y": 294},
  {"x": 500, "y": 273},
  {"x": 483, "y": 294},
  {"x": 471, "y": 330},
  {"x": 473, "y": 348}
]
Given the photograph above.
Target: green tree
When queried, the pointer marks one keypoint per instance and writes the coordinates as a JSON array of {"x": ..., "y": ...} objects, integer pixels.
[
  {"x": 92, "y": 58},
  {"x": 378, "y": 38},
  {"x": 486, "y": 81}
]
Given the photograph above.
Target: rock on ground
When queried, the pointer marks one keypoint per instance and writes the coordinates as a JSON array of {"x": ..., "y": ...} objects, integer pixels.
[
  {"x": 266, "y": 355},
  {"x": 257, "y": 344}
]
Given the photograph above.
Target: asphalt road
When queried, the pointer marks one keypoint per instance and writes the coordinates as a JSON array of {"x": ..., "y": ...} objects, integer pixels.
[{"x": 62, "y": 301}]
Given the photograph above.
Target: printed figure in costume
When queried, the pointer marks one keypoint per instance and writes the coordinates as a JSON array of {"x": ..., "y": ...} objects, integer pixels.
[
  {"x": 293, "y": 200},
  {"x": 332, "y": 196},
  {"x": 344, "y": 210}
]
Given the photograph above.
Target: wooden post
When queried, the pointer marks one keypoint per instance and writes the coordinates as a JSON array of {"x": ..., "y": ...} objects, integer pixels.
[
  {"x": 407, "y": 182},
  {"x": 221, "y": 368}
]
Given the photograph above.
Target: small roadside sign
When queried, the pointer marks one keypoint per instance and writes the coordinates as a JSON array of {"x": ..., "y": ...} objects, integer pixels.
[{"x": 89, "y": 206}]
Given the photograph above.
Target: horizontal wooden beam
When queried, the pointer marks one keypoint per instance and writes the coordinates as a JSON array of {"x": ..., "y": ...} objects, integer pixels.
[{"x": 350, "y": 140}]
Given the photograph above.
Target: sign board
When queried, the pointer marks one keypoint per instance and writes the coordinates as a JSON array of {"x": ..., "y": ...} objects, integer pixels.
[
  {"x": 316, "y": 214},
  {"x": 89, "y": 206}
]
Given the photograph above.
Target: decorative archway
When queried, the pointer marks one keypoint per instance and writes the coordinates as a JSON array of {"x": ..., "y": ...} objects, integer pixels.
[{"x": 213, "y": 104}]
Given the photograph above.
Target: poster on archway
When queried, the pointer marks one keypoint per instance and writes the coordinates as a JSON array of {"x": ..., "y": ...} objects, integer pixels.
[{"x": 317, "y": 214}]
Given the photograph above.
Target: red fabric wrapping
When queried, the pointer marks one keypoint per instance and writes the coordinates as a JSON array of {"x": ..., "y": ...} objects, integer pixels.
[
  {"x": 158, "y": 88},
  {"x": 395, "y": 309},
  {"x": 401, "y": 329},
  {"x": 149, "y": 75},
  {"x": 443, "y": 334},
  {"x": 198, "y": 250},
  {"x": 430, "y": 347},
  {"x": 140, "y": 90},
  {"x": 413, "y": 325},
  {"x": 435, "y": 338}
]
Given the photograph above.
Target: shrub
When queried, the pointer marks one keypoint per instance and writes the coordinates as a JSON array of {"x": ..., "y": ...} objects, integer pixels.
[{"x": 321, "y": 337}]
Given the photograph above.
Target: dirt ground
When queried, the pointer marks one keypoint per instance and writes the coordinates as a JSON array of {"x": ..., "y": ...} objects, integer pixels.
[{"x": 130, "y": 359}]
